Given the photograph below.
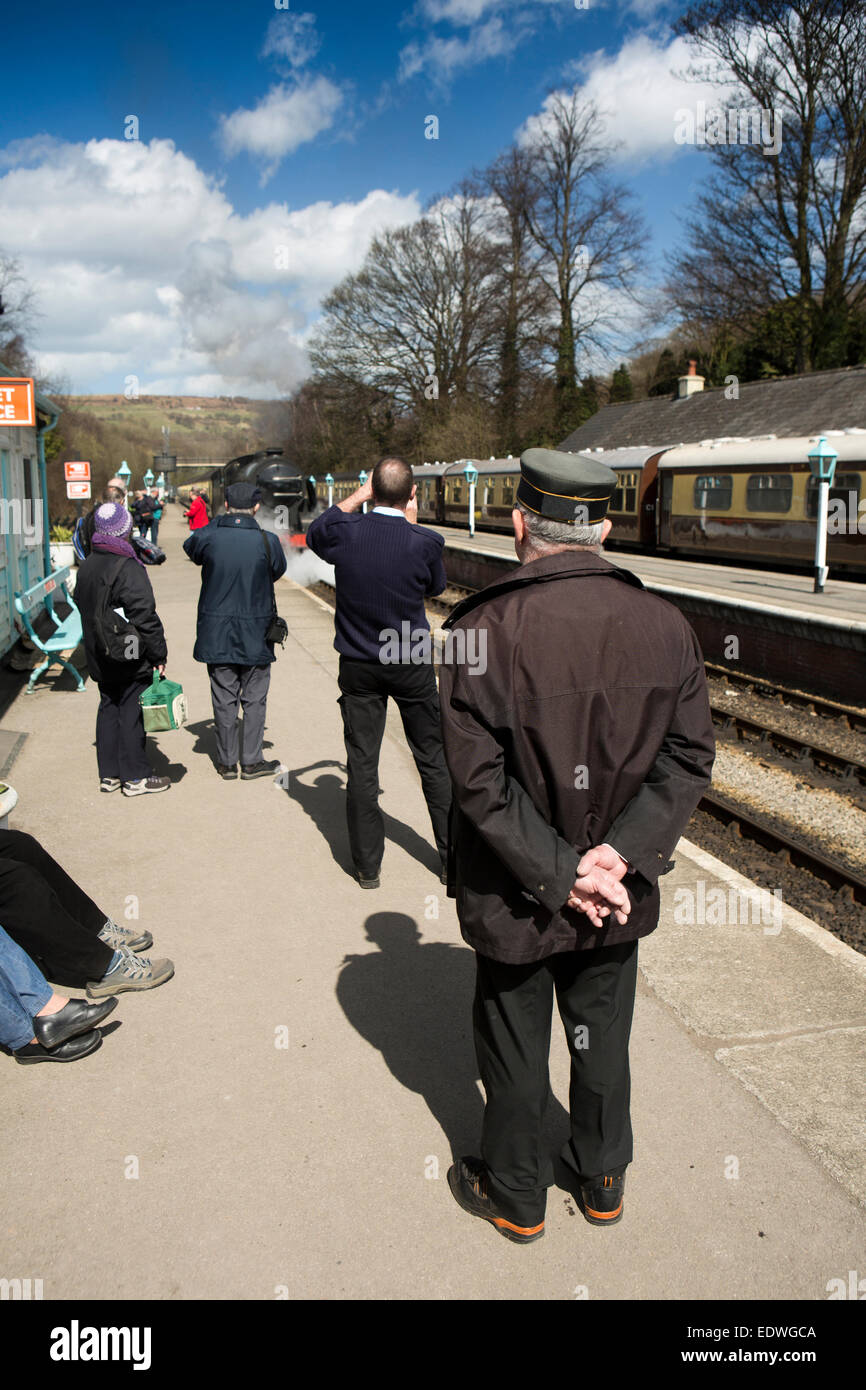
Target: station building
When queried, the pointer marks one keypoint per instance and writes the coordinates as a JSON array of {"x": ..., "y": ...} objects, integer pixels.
[{"x": 24, "y": 526}]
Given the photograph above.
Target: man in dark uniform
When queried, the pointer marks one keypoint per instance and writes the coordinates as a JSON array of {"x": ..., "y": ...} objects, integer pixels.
[
  {"x": 576, "y": 760},
  {"x": 385, "y": 566}
]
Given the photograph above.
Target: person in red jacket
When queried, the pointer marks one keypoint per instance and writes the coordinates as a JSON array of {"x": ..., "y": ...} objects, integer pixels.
[{"x": 196, "y": 512}]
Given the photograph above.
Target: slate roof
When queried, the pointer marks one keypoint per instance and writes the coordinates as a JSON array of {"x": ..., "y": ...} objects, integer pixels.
[{"x": 793, "y": 405}]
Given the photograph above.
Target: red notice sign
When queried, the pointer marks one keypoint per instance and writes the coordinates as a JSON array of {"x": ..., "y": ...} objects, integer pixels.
[
  {"x": 17, "y": 401},
  {"x": 78, "y": 472},
  {"x": 77, "y": 489}
]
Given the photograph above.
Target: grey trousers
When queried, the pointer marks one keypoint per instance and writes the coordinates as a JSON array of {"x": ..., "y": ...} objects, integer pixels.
[{"x": 229, "y": 687}]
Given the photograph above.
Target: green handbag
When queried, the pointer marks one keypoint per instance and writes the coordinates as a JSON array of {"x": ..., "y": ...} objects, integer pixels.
[{"x": 163, "y": 705}]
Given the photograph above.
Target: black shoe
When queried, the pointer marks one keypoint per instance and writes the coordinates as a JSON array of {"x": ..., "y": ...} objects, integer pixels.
[
  {"x": 601, "y": 1199},
  {"x": 82, "y": 1046},
  {"x": 251, "y": 770},
  {"x": 227, "y": 770},
  {"x": 372, "y": 882},
  {"x": 52, "y": 1030},
  {"x": 467, "y": 1179}
]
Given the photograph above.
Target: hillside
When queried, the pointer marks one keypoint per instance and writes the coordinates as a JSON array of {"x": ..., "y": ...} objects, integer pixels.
[{"x": 105, "y": 430}]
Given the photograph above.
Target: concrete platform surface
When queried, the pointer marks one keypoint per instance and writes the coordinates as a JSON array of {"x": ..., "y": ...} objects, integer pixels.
[{"x": 279, "y": 1118}]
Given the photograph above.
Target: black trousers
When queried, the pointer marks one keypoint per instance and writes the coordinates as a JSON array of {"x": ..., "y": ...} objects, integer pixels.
[
  {"x": 365, "y": 687},
  {"x": 512, "y": 1013},
  {"x": 48, "y": 915},
  {"x": 120, "y": 737}
]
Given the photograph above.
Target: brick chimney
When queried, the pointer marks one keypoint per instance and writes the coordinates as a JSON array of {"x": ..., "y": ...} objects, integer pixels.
[{"x": 691, "y": 383}]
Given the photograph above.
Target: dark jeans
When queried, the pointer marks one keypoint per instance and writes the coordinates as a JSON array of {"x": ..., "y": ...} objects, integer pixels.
[
  {"x": 512, "y": 1013},
  {"x": 365, "y": 687},
  {"x": 48, "y": 915},
  {"x": 120, "y": 738},
  {"x": 246, "y": 686},
  {"x": 154, "y": 530}
]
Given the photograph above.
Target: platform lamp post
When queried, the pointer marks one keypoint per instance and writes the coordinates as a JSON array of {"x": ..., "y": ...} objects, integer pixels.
[
  {"x": 148, "y": 479},
  {"x": 329, "y": 483},
  {"x": 471, "y": 474},
  {"x": 362, "y": 478},
  {"x": 124, "y": 472},
  {"x": 823, "y": 465},
  {"x": 160, "y": 482}
]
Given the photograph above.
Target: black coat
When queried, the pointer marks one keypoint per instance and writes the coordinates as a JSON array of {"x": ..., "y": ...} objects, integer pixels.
[
  {"x": 130, "y": 590},
  {"x": 590, "y": 724},
  {"x": 237, "y": 589}
]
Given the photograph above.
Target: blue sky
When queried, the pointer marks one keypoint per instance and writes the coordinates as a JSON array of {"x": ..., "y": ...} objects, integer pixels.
[{"x": 300, "y": 128}]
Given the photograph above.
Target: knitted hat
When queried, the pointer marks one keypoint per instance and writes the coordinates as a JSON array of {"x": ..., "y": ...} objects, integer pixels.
[{"x": 112, "y": 519}]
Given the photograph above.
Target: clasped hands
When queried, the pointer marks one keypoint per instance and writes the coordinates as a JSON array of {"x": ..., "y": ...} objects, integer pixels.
[{"x": 598, "y": 890}]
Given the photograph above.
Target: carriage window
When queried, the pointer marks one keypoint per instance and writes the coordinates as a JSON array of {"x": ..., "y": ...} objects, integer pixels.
[
  {"x": 456, "y": 493},
  {"x": 769, "y": 492},
  {"x": 625, "y": 493},
  {"x": 507, "y": 492},
  {"x": 713, "y": 492},
  {"x": 843, "y": 485}
]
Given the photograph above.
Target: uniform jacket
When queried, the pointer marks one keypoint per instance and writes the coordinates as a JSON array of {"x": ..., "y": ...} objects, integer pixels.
[
  {"x": 239, "y": 565},
  {"x": 130, "y": 590},
  {"x": 196, "y": 514},
  {"x": 591, "y": 723}
]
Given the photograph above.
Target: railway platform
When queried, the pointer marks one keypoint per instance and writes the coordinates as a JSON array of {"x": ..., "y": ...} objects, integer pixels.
[{"x": 279, "y": 1118}]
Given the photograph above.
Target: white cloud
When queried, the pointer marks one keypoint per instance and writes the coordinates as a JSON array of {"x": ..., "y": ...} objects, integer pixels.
[
  {"x": 141, "y": 265},
  {"x": 638, "y": 91},
  {"x": 292, "y": 37},
  {"x": 440, "y": 58},
  {"x": 282, "y": 121}
]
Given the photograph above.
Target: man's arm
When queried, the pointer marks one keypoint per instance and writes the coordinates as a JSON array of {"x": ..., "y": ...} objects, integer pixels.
[
  {"x": 647, "y": 829},
  {"x": 192, "y": 546},
  {"x": 361, "y": 495},
  {"x": 278, "y": 556},
  {"x": 503, "y": 812}
]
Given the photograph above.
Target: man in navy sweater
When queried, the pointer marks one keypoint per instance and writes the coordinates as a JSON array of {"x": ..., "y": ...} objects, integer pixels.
[{"x": 385, "y": 566}]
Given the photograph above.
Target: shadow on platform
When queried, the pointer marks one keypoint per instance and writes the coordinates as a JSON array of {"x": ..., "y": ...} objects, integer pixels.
[
  {"x": 204, "y": 733},
  {"x": 413, "y": 1003},
  {"x": 325, "y": 803}
]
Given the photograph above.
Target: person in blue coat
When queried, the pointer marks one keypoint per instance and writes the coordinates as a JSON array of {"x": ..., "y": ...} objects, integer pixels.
[{"x": 239, "y": 564}]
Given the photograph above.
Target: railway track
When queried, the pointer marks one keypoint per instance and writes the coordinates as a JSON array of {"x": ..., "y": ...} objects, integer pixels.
[{"x": 849, "y": 767}]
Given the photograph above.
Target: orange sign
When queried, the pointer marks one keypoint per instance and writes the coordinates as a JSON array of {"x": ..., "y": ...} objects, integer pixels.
[
  {"x": 76, "y": 472},
  {"x": 77, "y": 489},
  {"x": 17, "y": 401}
]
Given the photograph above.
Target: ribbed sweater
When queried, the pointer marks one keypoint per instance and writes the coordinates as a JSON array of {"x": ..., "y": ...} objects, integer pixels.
[{"x": 385, "y": 567}]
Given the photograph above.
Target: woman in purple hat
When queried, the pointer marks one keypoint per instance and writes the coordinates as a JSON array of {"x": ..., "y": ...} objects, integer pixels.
[{"x": 113, "y": 585}]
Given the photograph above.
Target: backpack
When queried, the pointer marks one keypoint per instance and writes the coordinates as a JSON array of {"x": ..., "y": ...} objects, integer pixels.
[{"x": 116, "y": 637}]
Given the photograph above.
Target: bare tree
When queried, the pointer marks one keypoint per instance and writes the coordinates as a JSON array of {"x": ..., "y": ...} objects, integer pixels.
[
  {"x": 587, "y": 233},
  {"x": 787, "y": 226},
  {"x": 17, "y": 316}
]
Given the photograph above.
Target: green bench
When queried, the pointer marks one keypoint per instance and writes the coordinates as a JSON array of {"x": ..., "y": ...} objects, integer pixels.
[{"x": 66, "y": 635}]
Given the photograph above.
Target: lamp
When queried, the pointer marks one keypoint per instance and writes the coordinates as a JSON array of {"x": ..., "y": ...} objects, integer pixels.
[
  {"x": 822, "y": 462},
  {"x": 470, "y": 472}
]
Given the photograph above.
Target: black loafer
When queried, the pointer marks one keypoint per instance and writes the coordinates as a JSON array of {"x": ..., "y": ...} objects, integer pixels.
[
  {"x": 467, "y": 1179},
  {"x": 71, "y": 1051},
  {"x": 602, "y": 1199},
  {"x": 369, "y": 880},
  {"x": 228, "y": 771},
  {"x": 52, "y": 1030}
]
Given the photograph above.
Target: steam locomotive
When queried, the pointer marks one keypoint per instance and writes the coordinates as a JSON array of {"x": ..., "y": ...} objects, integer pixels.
[{"x": 285, "y": 491}]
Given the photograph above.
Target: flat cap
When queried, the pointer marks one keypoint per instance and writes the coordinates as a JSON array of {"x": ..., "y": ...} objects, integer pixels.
[
  {"x": 244, "y": 496},
  {"x": 571, "y": 488}
]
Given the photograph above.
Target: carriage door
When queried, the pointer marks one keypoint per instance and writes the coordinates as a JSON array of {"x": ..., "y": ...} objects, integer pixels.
[{"x": 665, "y": 495}]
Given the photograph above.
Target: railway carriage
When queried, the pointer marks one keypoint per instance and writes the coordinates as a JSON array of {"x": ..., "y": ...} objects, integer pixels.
[
  {"x": 750, "y": 500},
  {"x": 756, "y": 500}
]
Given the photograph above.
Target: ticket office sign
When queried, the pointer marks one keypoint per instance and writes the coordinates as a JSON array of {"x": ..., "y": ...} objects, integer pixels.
[{"x": 17, "y": 401}]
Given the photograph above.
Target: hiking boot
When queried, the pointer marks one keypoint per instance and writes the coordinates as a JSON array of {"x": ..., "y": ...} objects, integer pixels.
[
  {"x": 227, "y": 770},
  {"x": 146, "y": 784},
  {"x": 251, "y": 770},
  {"x": 115, "y": 937},
  {"x": 131, "y": 972},
  {"x": 467, "y": 1179},
  {"x": 109, "y": 784}
]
